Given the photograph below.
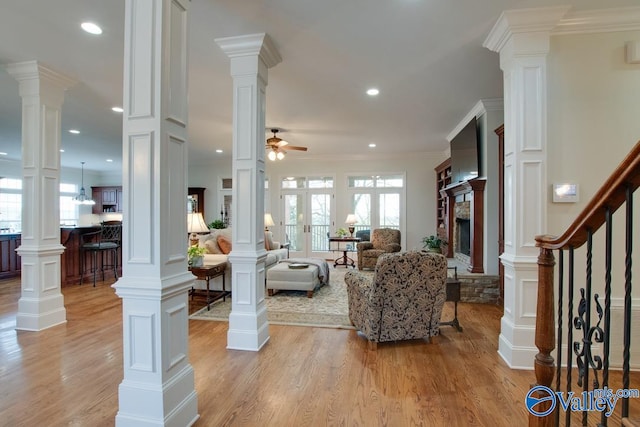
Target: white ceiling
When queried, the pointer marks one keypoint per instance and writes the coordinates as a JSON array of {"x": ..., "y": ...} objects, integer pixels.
[{"x": 425, "y": 56}]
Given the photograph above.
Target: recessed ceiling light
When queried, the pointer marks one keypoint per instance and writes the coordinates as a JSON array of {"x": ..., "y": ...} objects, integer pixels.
[
  {"x": 218, "y": 151},
  {"x": 74, "y": 131},
  {"x": 109, "y": 160},
  {"x": 373, "y": 91},
  {"x": 372, "y": 145},
  {"x": 117, "y": 109},
  {"x": 91, "y": 28},
  {"x": 62, "y": 150},
  {"x": 2, "y": 153}
]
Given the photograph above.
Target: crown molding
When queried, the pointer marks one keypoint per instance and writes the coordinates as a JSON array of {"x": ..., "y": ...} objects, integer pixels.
[
  {"x": 600, "y": 21},
  {"x": 520, "y": 21},
  {"x": 251, "y": 45},
  {"x": 558, "y": 21},
  {"x": 30, "y": 70}
]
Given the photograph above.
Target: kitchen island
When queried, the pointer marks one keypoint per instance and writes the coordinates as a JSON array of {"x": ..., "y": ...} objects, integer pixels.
[{"x": 70, "y": 265}]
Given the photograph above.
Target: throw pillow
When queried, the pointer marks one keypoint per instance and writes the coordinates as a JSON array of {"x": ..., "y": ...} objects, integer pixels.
[
  {"x": 224, "y": 243},
  {"x": 211, "y": 247}
]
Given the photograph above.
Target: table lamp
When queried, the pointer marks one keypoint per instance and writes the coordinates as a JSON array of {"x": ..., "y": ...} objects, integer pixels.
[
  {"x": 195, "y": 225},
  {"x": 350, "y": 221},
  {"x": 268, "y": 221}
]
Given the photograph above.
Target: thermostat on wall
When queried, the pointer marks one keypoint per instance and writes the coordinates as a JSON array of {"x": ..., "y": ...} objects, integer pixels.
[{"x": 565, "y": 193}]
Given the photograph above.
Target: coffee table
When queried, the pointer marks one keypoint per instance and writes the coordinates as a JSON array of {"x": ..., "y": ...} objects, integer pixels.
[{"x": 206, "y": 273}]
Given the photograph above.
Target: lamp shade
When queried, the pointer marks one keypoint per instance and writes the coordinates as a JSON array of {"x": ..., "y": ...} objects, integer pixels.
[
  {"x": 195, "y": 223},
  {"x": 351, "y": 219},
  {"x": 268, "y": 220}
]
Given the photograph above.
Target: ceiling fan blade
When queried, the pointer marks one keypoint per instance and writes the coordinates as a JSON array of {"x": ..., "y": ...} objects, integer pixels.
[{"x": 293, "y": 147}]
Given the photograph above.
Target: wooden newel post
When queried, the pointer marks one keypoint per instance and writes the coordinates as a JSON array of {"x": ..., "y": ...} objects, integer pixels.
[{"x": 545, "y": 331}]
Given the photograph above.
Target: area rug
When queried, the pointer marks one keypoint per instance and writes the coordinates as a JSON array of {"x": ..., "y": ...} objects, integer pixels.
[{"x": 328, "y": 308}]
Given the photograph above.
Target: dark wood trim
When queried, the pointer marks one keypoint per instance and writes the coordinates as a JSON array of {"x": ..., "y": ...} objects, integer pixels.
[
  {"x": 199, "y": 193},
  {"x": 475, "y": 187},
  {"x": 443, "y": 179}
]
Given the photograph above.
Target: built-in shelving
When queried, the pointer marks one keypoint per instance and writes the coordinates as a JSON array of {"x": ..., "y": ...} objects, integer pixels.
[{"x": 443, "y": 179}]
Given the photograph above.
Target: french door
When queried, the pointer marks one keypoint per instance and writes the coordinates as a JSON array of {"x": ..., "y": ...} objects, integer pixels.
[{"x": 307, "y": 218}]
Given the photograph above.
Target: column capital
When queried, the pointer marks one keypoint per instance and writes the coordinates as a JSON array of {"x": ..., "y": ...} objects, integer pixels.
[
  {"x": 530, "y": 29},
  {"x": 251, "y": 45},
  {"x": 29, "y": 70}
]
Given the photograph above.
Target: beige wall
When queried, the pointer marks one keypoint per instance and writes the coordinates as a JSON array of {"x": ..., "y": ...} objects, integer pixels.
[{"x": 594, "y": 111}]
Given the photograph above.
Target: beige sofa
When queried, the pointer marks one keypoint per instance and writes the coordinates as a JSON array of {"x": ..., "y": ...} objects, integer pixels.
[{"x": 217, "y": 244}]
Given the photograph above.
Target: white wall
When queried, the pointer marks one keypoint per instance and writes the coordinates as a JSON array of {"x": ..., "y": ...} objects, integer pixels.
[{"x": 420, "y": 185}]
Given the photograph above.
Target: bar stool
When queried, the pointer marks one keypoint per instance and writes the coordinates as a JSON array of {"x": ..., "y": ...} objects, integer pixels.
[{"x": 107, "y": 239}]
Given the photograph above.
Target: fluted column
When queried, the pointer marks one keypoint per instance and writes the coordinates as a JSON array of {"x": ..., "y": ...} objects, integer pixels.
[
  {"x": 41, "y": 304},
  {"x": 158, "y": 386},
  {"x": 251, "y": 57},
  {"x": 522, "y": 39}
]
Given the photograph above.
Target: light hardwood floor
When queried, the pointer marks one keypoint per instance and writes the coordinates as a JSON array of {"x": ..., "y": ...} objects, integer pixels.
[{"x": 69, "y": 374}]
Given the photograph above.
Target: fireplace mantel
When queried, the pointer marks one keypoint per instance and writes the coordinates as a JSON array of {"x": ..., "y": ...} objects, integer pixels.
[{"x": 473, "y": 191}]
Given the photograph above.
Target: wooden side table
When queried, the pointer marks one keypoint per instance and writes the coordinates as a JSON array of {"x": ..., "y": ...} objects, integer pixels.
[
  {"x": 344, "y": 259},
  {"x": 206, "y": 273},
  {"x": 453, "y": 295}
]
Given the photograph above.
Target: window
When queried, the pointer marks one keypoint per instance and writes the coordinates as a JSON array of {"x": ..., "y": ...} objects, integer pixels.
[
  {"x": 11, "y": 205},
  {"x": 377, "y": 201}
]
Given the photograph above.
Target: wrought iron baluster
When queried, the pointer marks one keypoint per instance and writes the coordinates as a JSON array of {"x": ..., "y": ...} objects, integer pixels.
[
  {"x": 607, "y": 304},
  {"x": 627, "y": 297},
  {"x": 569, "y": 329},
  {"x": 559, "y": 338},
  {"x": 582, "y": 322}
]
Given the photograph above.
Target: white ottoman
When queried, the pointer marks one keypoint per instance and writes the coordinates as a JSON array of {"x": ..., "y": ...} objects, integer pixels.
[{"x": 281, "y": 277}]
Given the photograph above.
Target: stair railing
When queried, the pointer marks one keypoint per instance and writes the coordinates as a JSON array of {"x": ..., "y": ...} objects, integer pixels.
[{"x": 588, "y": 322}]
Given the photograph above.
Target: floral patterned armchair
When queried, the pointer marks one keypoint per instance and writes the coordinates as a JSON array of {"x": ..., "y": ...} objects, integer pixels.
[
  {"x": 402, "y": 301},
  {"x": 383, "y": 240}
]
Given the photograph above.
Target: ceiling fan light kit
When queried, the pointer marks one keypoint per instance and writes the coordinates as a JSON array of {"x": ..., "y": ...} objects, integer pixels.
[{"x": 278, "y": 147}]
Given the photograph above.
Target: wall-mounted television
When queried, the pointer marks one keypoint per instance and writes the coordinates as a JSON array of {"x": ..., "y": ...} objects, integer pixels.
[{"x": 465, "y": 154}]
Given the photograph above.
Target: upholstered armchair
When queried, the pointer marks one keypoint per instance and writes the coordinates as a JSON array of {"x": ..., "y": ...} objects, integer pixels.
[
  {"x": 402, "y": 301},
  {"x": 383, "y": 240}
]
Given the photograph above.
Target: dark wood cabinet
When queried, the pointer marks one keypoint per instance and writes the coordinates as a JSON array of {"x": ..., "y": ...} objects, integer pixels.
[
  {"x": 10, "y": 264},
  {"x": 197, "y": 195},
  {"x": 108, "y": 199}
]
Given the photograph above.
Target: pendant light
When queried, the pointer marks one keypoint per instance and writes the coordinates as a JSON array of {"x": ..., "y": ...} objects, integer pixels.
[{"x": 82, "y": 199}]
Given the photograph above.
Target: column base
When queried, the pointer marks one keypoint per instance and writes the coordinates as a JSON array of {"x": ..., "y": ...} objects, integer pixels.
[
  {"x": 512, "y": 348},
  {"x": 248, "y": 331},
  {"x": 145, "y": 405},
  {"x": 36, "y": 314}
]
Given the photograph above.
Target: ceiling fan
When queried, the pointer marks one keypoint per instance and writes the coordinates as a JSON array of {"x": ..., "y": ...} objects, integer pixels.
[{"x": 278, "y": 147}]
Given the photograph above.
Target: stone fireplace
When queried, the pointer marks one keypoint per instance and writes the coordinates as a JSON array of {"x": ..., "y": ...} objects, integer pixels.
[{"x": 465, "y": 219}]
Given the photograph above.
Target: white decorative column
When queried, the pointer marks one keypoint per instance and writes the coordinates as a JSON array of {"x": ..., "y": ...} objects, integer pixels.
[
  {"x": 251, "y": 57},
  {"x": 158, "y": 386},
  {"x": 42, "y": 90},
  {"x": 522, "y": 39}
]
